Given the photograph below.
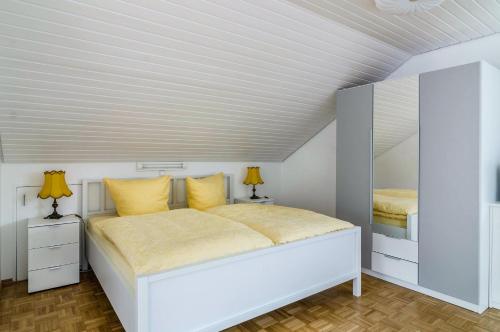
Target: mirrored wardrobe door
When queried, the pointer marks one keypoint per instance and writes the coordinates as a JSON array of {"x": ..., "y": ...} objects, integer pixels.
[{"x": 395, "y": 158}]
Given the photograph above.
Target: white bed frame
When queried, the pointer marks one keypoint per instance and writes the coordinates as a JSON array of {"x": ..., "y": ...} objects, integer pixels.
[
  {"x": 220, "y": 293},
  {"x": 411, "y": 227}
]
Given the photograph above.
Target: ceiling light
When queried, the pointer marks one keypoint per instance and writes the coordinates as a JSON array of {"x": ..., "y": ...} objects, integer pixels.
[{"x": 402, "y": 7}]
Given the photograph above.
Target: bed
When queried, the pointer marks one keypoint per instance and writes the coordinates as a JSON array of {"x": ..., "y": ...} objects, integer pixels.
[
  {"x": 395, "y": 213},
  {"x": 218, "y": 293}
]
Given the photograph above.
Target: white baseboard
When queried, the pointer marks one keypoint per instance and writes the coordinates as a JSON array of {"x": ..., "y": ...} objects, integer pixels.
[
  {"x": 440, "y": 296},
  {"x": 495, "y": 305}
]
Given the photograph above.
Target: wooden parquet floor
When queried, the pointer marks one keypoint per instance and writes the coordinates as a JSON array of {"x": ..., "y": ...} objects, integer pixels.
[{"x": 383, "y": 307}]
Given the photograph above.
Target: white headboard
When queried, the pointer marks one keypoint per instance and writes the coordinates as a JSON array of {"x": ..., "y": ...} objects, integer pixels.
[{"x": 96, "y": 198}]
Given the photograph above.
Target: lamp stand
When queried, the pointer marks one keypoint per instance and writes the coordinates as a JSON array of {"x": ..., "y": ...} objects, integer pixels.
[
  {"x": 54, "y": 214},
  {"x": 254, "y": 196}
]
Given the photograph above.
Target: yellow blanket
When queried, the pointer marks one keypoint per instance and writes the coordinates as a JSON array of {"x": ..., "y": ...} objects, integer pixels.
[
  {"x": 154, "y": 242},
  {"x": 395, "y": 203},
  {"x": 281, "y": 224},
  {"x": 96, "y": 221},
  {"x": 401, "y": 217}
]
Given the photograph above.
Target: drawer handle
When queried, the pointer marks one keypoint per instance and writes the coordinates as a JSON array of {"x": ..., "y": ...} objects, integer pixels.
[
  {"x": 54, "y": 268},
  {"x": 55, "y": 247},
  {"x": 392, "y": 257}
]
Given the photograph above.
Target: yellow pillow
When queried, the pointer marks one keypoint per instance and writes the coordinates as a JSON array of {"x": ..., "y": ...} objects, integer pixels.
[
  {"x": 206, "y": 192},
  {"x": 139, "y": 196}
]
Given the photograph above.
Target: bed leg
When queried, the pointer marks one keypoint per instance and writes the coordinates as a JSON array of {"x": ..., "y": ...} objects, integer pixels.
[
  {"x": 356, "y": 282},
  {"x": 356, "y": 286}
]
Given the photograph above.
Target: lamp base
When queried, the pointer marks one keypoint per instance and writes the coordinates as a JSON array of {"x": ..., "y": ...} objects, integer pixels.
[
  {"x": 54, "y": 214},
  {"x": 254, "y": 196}
]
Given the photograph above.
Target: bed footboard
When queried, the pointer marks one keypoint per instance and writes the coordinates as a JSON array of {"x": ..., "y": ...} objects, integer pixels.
[
  {"x": 221, "y": 293},
  {"x": 412, "y": 227}
]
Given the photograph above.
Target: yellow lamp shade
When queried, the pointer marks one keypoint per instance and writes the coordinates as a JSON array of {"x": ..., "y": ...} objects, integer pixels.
[
  {"x": 54, "y": 185},
  {"x": 253, "y": 176}
]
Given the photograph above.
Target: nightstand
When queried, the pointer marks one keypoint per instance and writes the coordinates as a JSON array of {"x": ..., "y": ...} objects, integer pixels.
[
  {"x": 247, "y": 200},
  {"x": 53, "y": 252}
]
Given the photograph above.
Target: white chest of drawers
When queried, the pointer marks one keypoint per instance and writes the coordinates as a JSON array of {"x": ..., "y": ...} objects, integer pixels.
[{"x": 53, "y": 252}]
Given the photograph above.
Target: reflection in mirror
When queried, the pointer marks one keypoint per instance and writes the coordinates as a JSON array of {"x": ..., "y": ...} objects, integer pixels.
[{"x": 395, "y": 158}]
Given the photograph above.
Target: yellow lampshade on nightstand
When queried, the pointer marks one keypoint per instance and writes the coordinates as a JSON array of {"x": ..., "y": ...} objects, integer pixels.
[
  {"x": 253, "y": 178},
  {"x": 54, "y": 186}
]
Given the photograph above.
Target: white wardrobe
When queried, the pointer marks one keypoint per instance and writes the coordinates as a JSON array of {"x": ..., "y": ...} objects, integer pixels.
[{"x": 458, "y": 178}]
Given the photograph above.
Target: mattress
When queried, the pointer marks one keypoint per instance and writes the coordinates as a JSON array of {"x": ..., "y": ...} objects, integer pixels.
[
  {"x": 161, "y": 241},
  {"x": 279, "y": 223},
  {"x": 111, "y": 252}
]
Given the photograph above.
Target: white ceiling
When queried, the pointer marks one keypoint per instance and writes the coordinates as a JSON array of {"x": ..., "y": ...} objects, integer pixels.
[
  {"x": 395, "y": 113},
  {"x": 455, "y": 21},
  {"x": 90, "y": 80}
]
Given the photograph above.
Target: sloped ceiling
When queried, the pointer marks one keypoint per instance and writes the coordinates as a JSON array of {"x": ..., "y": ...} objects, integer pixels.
[
  {"x": 455, "y": 21},
  {"x": 395, "y": 113},
  {"x": 218, "y": 80}
]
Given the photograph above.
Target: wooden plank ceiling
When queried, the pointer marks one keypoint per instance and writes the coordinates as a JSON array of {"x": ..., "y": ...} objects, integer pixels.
[
  {"x": 395, "y": 113},
  {"x": 453, "y": 22},
  {"x": 218, "y": 80}
]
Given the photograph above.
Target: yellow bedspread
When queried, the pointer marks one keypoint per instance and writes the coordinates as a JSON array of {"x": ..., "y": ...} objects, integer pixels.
[
  {"x": 94, "y": 224},
  {"x": 96, "y": 221},
  {"x": 390, "y": 221},
  {"x": 394, "y": 203},
  {"x": 281, "y": 224},
  {"x": 154, "y": 242},
  {"x": 398, "y": 217}
]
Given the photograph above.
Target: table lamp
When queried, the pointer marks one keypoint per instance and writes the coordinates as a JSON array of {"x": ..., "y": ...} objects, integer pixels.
[
  {"x": 55, "y": 187},
  {"x": 253, "y": 178}
]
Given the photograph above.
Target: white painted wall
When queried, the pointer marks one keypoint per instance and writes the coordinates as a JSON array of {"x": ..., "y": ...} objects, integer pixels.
[
  {"x": 398, "y": 166},
  {"x": 487, "y": 48},
  {"x": 18, "y": 175},
  {"x": 308, "y": 178}
]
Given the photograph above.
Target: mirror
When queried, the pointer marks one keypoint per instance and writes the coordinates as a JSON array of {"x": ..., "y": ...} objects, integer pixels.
[{"x": 395, "y": 158}]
